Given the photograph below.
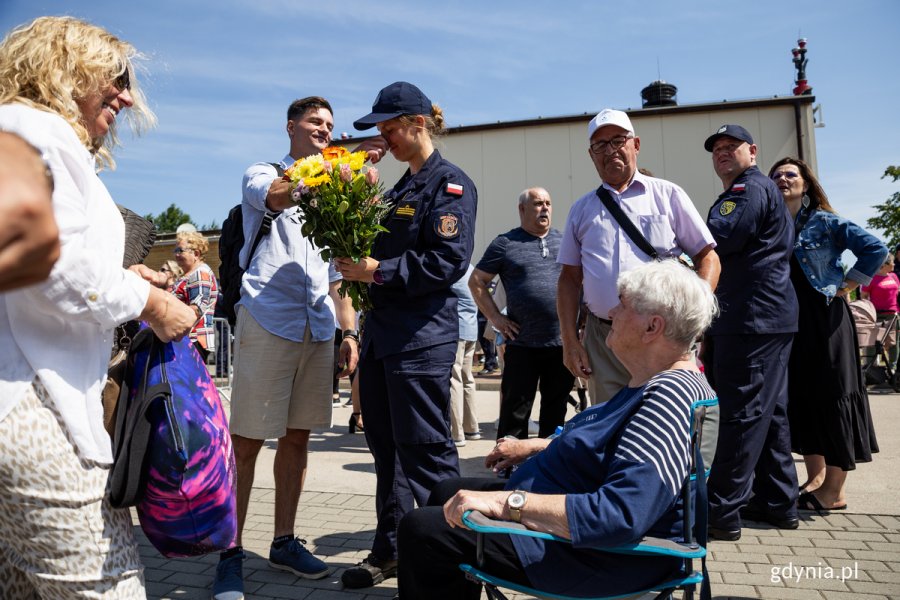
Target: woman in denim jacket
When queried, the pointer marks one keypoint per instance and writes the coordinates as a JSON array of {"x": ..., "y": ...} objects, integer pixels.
[{"x": 828, "y": 408}]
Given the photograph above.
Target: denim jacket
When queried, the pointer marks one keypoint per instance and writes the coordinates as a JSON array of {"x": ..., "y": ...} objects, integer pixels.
[{"x": 821, "y": 241}]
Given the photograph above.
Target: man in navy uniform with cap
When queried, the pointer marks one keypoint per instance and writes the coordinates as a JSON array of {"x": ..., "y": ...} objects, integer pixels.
[
  {"x": 747, "y": 348},
  {"x": 410, "y": 335}
]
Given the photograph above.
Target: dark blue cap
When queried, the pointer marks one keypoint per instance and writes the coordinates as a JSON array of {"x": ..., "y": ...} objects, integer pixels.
[
  {"x": 400, "y": 98},
  {"x": 735, "y": 131}
]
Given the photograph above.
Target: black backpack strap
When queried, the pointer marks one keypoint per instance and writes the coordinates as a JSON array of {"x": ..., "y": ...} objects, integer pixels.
[
  {"x": 127, "y": 479},
  {"x": 625, "y": 223},
  {"x": 266, "y": 226}
]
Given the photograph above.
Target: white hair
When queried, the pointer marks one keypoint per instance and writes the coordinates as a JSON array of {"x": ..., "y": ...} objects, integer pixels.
[
  {"x": 528, "y": 193},
  {"x": 671, "y": 290}
]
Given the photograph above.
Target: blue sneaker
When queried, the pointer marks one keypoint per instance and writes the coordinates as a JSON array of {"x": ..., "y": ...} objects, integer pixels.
[
  {"x": 294, "y": 557},
  {"x": 229, "y": 581}
]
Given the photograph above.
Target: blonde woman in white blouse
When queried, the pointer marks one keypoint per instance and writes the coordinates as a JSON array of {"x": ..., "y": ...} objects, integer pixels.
[{"x": 63, "y": 84}]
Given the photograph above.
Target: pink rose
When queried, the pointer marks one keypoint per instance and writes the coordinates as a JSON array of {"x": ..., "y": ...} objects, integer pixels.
[
  {"x": 346, "y": 173},
  {"x": 372, "y": 176},
  {"x": 328, "y": 167},
  {"x": 296, "y": 194}
]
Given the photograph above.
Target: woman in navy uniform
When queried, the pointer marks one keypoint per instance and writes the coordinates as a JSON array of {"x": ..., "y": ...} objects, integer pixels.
[{"x": 411, "y": 332}]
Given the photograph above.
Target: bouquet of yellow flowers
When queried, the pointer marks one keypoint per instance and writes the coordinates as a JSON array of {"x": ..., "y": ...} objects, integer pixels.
[{"x": 340, "y": 201}]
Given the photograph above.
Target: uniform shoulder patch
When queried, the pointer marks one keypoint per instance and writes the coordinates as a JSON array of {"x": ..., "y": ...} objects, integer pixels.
[
  {"x": 446, "y": 225},
  {"x": 726, "y": 208},
  {"x": 455, "y": 189},
  {"x": 739, "y": 187}
]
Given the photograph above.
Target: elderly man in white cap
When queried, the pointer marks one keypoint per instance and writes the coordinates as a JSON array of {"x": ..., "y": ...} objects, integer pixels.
[{"x": 629, "y": 220}]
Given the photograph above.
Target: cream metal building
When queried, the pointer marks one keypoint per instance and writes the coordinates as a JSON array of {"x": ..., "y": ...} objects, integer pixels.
[{"x": 505, "y": 158}]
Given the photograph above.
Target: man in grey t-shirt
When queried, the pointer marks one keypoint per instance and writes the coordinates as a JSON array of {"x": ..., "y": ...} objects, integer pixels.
[{"x": 525, "y": 259}]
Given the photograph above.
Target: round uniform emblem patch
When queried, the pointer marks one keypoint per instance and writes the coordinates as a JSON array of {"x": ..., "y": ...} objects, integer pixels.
[
  {"x": 447, "y": 226},
  {"x": 726, "y": 208}
]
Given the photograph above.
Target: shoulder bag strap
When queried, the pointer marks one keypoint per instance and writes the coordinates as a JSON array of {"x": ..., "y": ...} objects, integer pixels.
[
  {"x": 133, "y": 426},
  {"x": 625, "y": 223}
]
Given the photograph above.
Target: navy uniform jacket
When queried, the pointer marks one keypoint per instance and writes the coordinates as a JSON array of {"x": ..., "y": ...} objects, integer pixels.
[
  {"x": 427, "y": 249},
  {"x": 755, "y": 237}
]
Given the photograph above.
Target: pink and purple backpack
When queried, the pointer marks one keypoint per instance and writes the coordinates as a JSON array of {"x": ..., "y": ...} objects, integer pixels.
[{"x": 172, "y": 450}]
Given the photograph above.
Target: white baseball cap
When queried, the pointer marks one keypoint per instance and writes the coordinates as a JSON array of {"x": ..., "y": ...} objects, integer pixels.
[{"x": 608, "y": 116}]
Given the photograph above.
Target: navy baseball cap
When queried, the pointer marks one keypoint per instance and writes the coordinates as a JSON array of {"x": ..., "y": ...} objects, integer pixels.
[
  {"x": 399, "y": 98},
  {"x": 735, "y": 131}
]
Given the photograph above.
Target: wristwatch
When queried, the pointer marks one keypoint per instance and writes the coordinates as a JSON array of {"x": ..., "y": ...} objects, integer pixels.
[
  {"x": 350, "y": 333},
  {"x": 516, "y": 502}
]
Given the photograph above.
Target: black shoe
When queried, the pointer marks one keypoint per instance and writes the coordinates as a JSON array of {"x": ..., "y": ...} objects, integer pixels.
[
  {"x": 725, "y": 535},
  {"x": 761, "y": 515},
  {"x": 369, "y": 572}
]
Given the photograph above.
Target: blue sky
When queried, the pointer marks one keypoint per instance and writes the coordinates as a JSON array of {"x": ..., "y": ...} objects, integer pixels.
[{"x": 220, "y": 75}]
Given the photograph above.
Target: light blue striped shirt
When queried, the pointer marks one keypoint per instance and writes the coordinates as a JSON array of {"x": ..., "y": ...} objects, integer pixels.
[{"x": 286, "y": 283}]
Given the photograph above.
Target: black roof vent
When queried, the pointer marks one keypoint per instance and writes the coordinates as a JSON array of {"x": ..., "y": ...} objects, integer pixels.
[{"x": 659, "y": 93}]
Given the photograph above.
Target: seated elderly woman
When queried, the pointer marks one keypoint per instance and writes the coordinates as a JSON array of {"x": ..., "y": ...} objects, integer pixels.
[{"x": 612, "y": 476}]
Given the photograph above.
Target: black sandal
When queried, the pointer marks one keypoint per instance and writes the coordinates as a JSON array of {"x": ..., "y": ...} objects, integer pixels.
[
  {"x": 355, "y": 423},
  {"x": 807, "y": 501}
]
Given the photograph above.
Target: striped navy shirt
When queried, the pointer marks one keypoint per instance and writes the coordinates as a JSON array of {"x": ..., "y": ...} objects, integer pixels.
[{"x": 659, "y": 433}]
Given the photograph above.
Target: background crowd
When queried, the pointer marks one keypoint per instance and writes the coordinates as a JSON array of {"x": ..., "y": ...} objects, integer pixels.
[{"x": 608, "y": 300}]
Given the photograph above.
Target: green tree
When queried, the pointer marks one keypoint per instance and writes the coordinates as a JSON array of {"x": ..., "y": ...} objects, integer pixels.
[
  {"x": 888, "y": 219},
  {"x": 168, "y": 220}
]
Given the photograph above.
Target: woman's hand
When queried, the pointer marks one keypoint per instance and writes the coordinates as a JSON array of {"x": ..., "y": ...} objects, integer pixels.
[
  {"x": 490, "y": 504},
  {"x": 849, "y": 286},
  {"x": 168, "y": 317},
  {"x": 375, "y": 148},
  {"x": 511, "y": 451},
  {"x": 155, "y": 278},
  {"x": 351, "y": 270}
]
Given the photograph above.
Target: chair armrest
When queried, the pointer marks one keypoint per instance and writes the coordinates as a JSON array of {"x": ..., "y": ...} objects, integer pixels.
[
  {"x": 479, "y": 523},
  {"x": 659, "y": 546}
]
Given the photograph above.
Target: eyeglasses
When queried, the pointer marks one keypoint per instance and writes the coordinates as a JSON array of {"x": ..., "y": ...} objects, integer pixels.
[
  {"x": 544, "y": 250},
  {"x": 165, "y": 270},
  {"x": 609, "y": 146},
  {"x": 181, "y": 250},
  {"x": 785, "y": 175},
  {"x": 123, "y": 81}
]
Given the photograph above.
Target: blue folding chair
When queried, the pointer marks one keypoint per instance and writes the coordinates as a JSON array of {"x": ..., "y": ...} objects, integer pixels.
[{"x": 704, "y": 428}]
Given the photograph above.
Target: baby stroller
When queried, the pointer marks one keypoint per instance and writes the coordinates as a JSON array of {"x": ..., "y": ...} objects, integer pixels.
[{"x": 876, "y": 335}]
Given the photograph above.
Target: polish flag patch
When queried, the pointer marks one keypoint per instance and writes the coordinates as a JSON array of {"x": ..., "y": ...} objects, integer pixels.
[
  {"x": 455, "y": 189},
  {"x": 739, "y": 187}
]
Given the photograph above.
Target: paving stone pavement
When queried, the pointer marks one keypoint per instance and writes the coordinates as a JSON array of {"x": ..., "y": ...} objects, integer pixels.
[{"x": 834, "y": 557}]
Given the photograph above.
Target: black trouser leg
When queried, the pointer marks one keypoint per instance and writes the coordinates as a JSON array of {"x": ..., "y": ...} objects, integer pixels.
[
  {"x": 556, "y": 385},
  {"x": 517, "y": 389},
  {"x": 430, "y": 551}
]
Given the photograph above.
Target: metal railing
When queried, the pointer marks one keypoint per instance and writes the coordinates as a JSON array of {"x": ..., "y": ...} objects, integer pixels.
[{"x": 222, "y": 357}]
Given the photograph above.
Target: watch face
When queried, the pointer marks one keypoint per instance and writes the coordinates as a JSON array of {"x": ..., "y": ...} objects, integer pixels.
[{"x": 516, "y": 500}]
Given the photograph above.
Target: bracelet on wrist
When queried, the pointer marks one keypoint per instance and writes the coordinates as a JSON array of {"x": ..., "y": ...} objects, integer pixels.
[{"x": 353, "y": 334}]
